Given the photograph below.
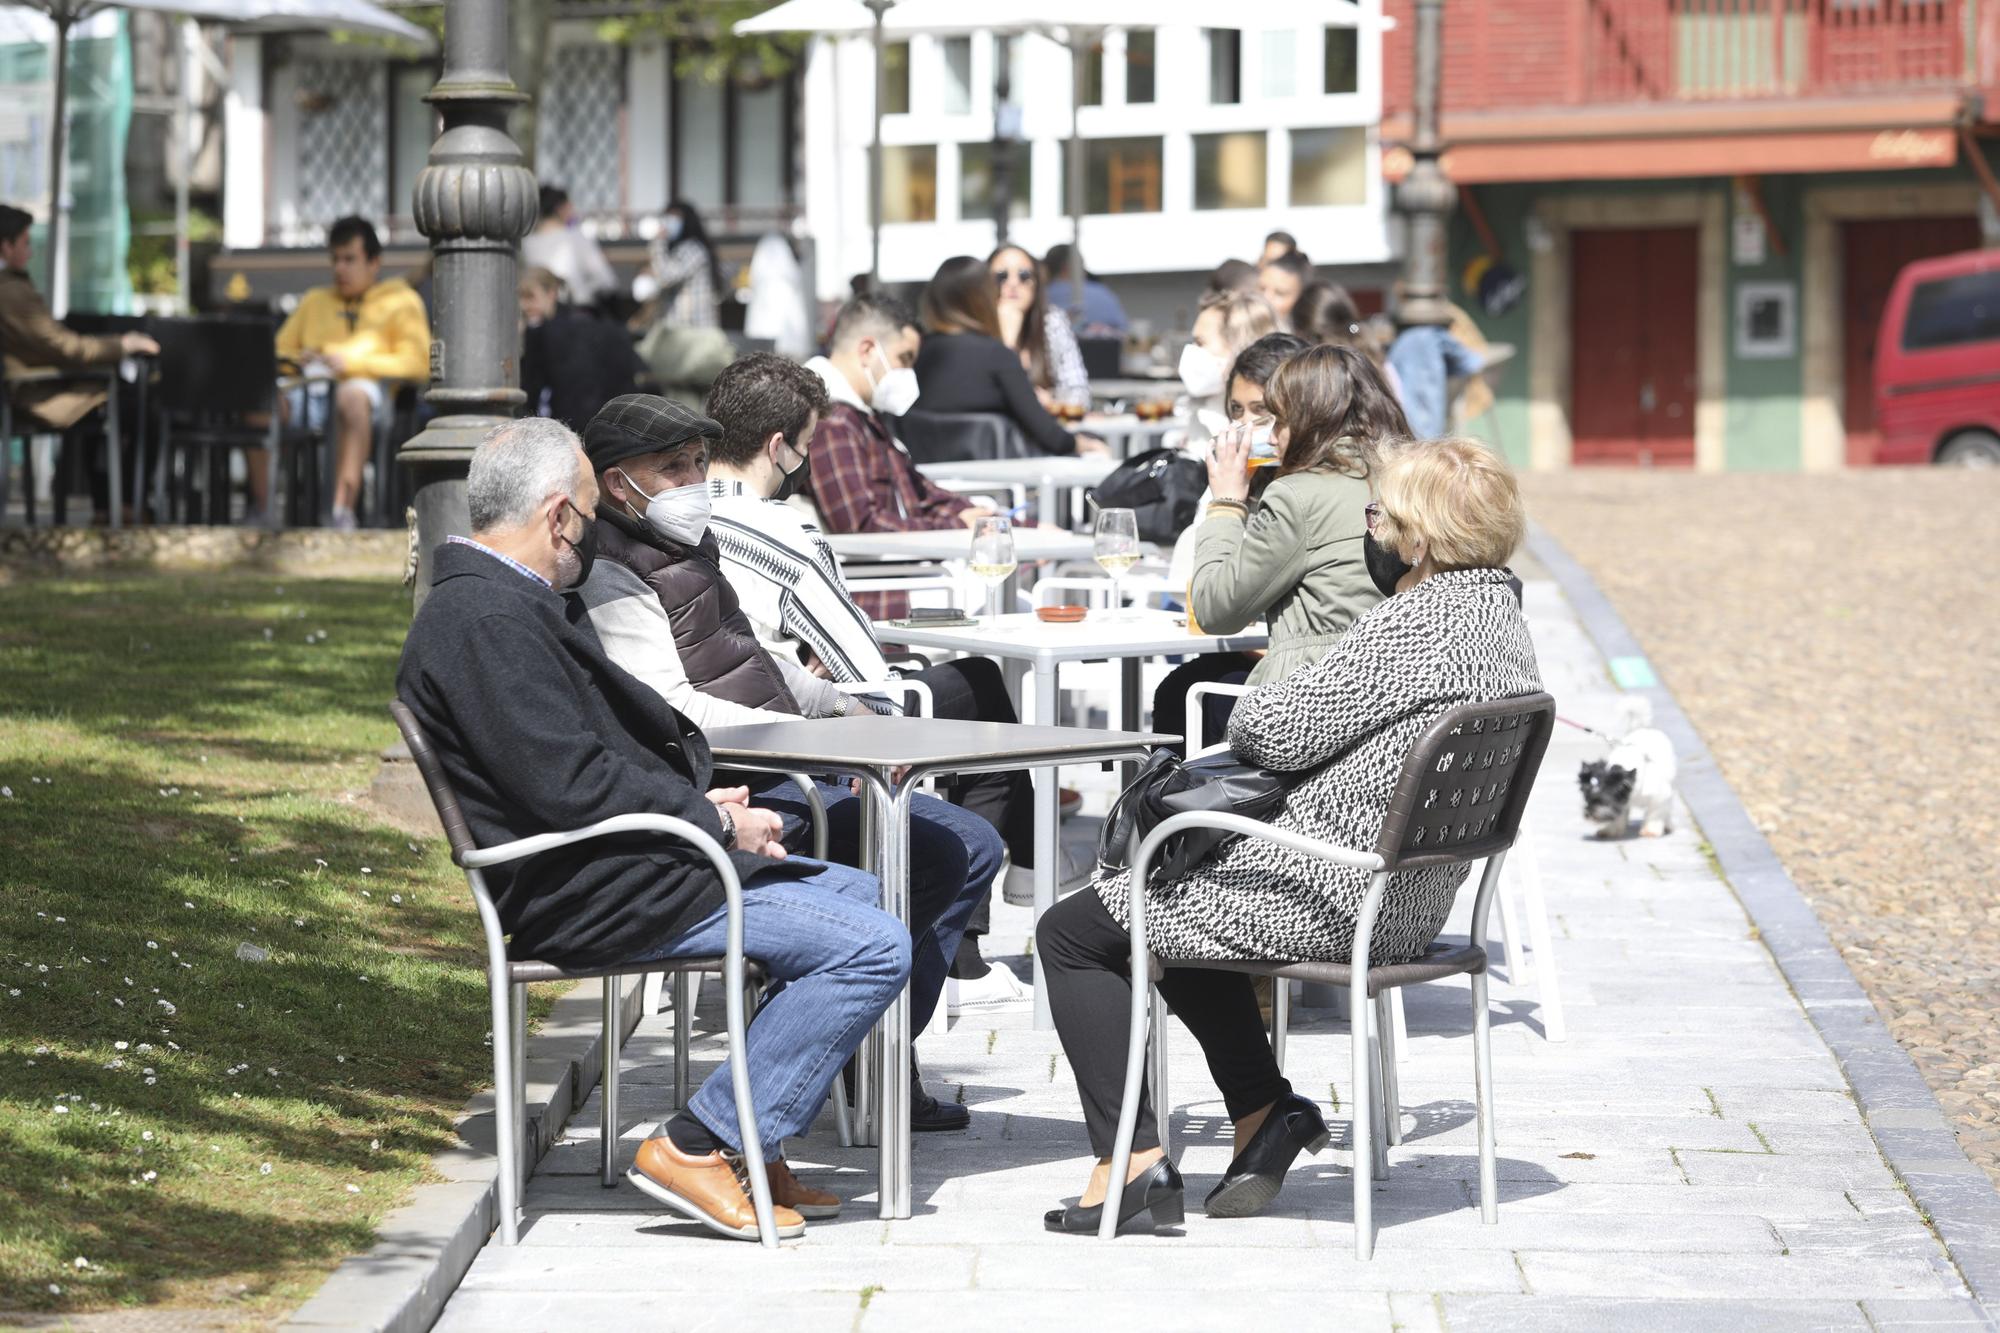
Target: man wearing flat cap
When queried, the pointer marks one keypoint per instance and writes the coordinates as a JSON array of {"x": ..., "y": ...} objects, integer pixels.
[{"x": 664, "y": 611}]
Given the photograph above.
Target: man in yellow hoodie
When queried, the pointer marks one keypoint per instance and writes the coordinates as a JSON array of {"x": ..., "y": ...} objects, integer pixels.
[{"x": 360, "y": 333}]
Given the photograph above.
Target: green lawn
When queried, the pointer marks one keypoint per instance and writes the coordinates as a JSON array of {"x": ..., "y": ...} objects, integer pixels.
[{"x": 177, "y": 1124}]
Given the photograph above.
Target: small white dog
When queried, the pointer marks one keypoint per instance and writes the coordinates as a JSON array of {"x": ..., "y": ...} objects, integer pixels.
[{"x": 1635, "y": 780}]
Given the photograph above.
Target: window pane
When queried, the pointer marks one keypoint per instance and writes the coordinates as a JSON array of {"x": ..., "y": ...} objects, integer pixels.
[
  {"x": 957, "y": 76},
  {"x": 977, "y": 182},
  {"x": 896, "y": 79},
  {"x": 1281, "y": 63},
  {"x": 698, "y": 142},
  {"x": 1093, "y": 75},
  {"x": 1229, "y": 170},
  {"x": 1120, "y": 175},
  {"x": 1343, "y": 60},
  {"x": 1951, "y": 311},
  {"x": 909, "y": 183},
  {"x": 1139, "y": 66},
  {"x": 1225, "y": 66},
  {"x": 416, "y": 126},
  {"x": 1330, "y": 166},
  {"x": 761, "y": 143}
]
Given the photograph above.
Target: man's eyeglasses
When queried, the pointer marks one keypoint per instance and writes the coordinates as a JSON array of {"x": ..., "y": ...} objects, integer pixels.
[{"x": 1000, "y": 275}]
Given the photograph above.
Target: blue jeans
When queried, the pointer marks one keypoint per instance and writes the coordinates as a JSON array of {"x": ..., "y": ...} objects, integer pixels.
[
  {"x": 840, "y": 960},
  {"x": 954, "y": 856}
]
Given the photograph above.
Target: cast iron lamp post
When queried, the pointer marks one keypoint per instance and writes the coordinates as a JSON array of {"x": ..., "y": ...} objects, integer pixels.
[
  {"x": 474, "y": 201},
  {"x": 1425, "y": 197}
]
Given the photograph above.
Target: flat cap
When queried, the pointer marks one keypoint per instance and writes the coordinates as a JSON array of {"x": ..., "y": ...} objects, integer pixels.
[{"x": 642, "y": 423}]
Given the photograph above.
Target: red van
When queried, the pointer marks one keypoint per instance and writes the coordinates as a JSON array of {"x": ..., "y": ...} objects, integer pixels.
[{"x": 1937, "y": 363}]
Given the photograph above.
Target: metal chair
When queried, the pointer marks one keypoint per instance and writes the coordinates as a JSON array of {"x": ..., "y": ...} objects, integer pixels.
[
  {"x": 59, "y": 500},
  {"x": 1459, "y": 798},
  {"x": 949, "y": 437},
  {"x": 218, "y": 392},
  {"x": 507, "y": 985}
]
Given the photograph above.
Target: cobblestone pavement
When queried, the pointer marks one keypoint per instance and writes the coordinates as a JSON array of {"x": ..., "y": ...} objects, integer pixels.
[
  {"x": 1836, "y": 640},
  {"x": 1689, "y": 1157}
]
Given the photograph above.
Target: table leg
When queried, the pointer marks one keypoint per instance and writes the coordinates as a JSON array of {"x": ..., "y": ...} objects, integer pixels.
[
  {"x": 1048, "y": 833},
  {"x": 1045, "y": 504},
  {"x": 1130, "y": 682},
  {"x": 867, "y": 1058},
  {"x": 893, "y": 1190}
]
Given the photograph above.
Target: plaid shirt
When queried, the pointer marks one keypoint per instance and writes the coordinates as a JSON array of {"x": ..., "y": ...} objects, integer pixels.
[
  {"x": 506, "y": 560},
  {"x": 685, "y": 278},
  {"x": 862, "y": 481}
]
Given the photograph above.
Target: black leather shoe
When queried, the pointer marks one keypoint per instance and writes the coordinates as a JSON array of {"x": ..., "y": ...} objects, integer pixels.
[
  {"x": 929, "y": 1115},
  {"x": 1156, "y": 1190},
  {"x": 1258, "y": 1172}
]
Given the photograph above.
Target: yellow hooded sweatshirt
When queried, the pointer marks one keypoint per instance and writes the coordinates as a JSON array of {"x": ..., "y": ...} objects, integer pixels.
[{"x": 383, "y": 336}]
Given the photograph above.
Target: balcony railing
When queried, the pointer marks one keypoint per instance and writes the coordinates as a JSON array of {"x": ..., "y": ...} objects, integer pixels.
[{"x": 1517, "y": 54}]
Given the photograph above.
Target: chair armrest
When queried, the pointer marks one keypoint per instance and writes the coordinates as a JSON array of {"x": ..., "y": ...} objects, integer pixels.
[
  {"x": 37, "y": 375},
  {"x": 918, "y": 660},
  {"x": 1196, "y": 693},
  {"x": 480, "y": 858}
]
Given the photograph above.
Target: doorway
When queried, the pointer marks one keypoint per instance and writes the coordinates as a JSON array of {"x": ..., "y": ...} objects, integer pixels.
[{"x": 1633, "y": 322}]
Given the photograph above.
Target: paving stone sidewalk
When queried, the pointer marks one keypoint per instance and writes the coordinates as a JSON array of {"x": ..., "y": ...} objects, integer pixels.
[{"x": 1690, "y": 1157}]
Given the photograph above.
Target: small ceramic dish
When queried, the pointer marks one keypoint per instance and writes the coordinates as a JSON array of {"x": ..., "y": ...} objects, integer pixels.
[{"x": 1061, "y": 615}]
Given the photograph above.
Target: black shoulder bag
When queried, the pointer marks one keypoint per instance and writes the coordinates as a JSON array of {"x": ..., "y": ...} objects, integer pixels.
[{"x": 1168, "y": 785}]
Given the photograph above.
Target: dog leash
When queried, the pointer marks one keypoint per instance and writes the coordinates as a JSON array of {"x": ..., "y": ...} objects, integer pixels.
[{"x": 1580, "y": 727}]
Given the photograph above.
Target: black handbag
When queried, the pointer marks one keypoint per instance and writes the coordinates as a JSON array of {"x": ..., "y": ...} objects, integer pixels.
[
  {"x": 1163, "y": 488},
  {"x": 1168, "y": 785}
]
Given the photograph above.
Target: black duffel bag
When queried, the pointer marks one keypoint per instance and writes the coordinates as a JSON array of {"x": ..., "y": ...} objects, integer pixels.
[
  {"x": 1168, "y": 785},
  {"x": 1161, "y": 486}
]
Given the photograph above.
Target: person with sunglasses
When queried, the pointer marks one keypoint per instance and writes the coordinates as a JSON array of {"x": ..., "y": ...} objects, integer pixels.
[{"x": 1038, "y": 331}]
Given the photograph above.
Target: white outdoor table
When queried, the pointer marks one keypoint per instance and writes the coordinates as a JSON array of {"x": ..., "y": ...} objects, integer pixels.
[
  {"x": 1144, "y": 387},
  {"x": 1048, "y": 476},
  {"x": 1140, "y": 634},
  {"x": 956, "y": 544},
  {"x": 1126, "y": 434},
  {"x": 872, "y": 748}
]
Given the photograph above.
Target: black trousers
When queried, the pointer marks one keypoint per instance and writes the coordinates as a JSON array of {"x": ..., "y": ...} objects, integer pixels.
[
  {"x": 1170, "y": 699},
  {"x": 972, "y": 689},
  {"x": 1086, "y": 969}
]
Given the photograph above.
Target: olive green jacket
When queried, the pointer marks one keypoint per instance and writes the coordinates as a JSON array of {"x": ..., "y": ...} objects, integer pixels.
[{"x": 1297, "y": 563}]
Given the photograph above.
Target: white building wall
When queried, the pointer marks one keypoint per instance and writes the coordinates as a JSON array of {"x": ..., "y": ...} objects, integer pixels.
[{"x": 1282, "y": 82}]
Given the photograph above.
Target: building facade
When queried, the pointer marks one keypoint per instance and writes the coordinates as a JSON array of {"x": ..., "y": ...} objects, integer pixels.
[{"x": 1696, "y": 208}]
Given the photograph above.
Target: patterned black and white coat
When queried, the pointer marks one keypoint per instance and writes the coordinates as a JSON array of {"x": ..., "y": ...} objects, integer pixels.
[{"x": 1455, "y": 638}]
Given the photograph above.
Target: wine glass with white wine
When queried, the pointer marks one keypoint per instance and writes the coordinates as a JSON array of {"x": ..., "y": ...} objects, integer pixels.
[
  {"x": 993, "y": 556},
  {"x": 1115, "y": 543}
]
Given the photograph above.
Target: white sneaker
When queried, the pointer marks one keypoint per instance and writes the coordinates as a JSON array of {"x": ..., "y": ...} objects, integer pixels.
[
  {"x": 998, "y": 989},
  {"x": 1019, "y": 886},
  {"x": 343, "y": 520}
]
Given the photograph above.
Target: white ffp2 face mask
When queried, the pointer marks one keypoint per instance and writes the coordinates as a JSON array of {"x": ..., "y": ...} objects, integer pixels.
[
  {"x": 1201, "y": 371},
  {"x": 681, "y": 514},
  {"x": 896, "y": 392}
]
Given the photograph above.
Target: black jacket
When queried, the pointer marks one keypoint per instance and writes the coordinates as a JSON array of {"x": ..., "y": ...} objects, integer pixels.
[
  {"x": 970, "y": 372},
  {"x": 573, "y": 363},
  {"x": 540, "y": 732},
  {"x": 718, "y": 645}
]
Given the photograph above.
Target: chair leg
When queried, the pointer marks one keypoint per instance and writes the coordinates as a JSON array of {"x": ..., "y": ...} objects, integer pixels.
[
  {"x": 520, "y": 1020},
  {"x": 506, "y": 1127},
  {"x": 114, "y": 458},
  {"x": 1482, "y": 1068},
  {"x": 1548, "y": 992},
  {"x": 1281, "y": 1018},
  {"x": 1362, "y": 1139},
  {"x": 1162, "y": 1104},
  {"x": 608, "y": 1125},
  {"x": 683, "y": 1035},
  {"x": 1385, "y": 1032},
  {"x": 1145, "y": 1026},
  {"x": 843, "y": 1126},
  {"x": 1379, "y": 1110}
]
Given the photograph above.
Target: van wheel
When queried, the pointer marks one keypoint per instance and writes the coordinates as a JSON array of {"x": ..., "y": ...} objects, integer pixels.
[{"x": 1975, "y": 448}]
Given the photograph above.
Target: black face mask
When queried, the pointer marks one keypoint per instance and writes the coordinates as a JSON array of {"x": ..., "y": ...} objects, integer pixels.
[
  {"x": 794, "y": 482},
  {"x": 1385, "y": 567},
  {"x": 585, "y": 547}
]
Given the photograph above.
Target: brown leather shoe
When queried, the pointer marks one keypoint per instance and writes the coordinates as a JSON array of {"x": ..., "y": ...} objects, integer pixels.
[
  {"x": 706, "y": 1189},
  {"x": 787, "y": 1191}
]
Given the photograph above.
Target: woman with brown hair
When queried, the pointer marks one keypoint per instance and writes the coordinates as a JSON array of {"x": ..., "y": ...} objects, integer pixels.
[
  {"x": 1038, "y": 331},
  {"x": 964, "y": 366}
]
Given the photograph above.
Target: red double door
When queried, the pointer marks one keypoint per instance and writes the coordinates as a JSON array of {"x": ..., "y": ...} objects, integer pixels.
[{"x": 1632, "y": 321}]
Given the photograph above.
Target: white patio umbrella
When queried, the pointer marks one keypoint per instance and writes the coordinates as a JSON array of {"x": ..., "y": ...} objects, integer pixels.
[{"x": 257, "y": 15}]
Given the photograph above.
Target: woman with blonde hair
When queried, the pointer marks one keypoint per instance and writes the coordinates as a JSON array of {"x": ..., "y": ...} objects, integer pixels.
[{"x": 1449, "y": 632}]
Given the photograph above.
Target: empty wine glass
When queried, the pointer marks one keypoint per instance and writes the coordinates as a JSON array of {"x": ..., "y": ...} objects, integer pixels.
[
  {"x": 993, "y": 556},
  {"x": 1115, "y": 543}
]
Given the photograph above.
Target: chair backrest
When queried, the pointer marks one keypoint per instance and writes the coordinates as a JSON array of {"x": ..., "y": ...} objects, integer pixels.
[
  {"x": 89, "y": 322},
  {"x": 456, "y": 830},
  {"x": 1465, "y": 784},
  {"x": 1103, "y": 358},
  {"x": 216, "y": 365},
  {"x": 951, "y": 437}
]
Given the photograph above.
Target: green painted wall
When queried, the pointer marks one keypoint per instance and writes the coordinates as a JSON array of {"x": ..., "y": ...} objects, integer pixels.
[{"x": 1761, "y": 424}]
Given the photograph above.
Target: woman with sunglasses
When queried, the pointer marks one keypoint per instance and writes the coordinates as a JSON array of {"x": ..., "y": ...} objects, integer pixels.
[{"x": 1036, "y": 330}]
